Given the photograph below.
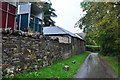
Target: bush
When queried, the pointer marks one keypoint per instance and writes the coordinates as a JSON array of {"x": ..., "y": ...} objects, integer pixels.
[{"x": 93, "y": 48}]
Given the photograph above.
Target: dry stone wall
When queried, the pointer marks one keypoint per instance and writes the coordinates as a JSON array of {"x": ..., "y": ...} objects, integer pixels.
[{"x": 28, "y": 53}]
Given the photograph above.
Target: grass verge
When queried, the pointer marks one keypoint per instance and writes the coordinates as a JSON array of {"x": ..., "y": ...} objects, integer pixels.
[
  {"x": 113, "y": 62},
  {"x": 56, "y": 70}
]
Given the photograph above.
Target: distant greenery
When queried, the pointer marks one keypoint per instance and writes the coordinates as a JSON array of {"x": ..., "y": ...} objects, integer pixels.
[
  {"x": 113, "y": 62},
  {"x": 56, "y": 70},
  {"x": 100, "y": 23},
  {"x": 92, "y": 48}
]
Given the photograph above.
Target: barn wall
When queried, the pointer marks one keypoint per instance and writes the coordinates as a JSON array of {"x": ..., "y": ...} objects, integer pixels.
[
  {"x": 62, "y": 38},
  {"x": 22, "y": 53}
]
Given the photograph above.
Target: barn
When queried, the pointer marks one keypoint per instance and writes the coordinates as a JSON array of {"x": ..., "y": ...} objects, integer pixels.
[{"x": 65, "y": 37}]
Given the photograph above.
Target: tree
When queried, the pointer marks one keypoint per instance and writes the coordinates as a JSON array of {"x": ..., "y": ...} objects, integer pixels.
[
  {"x": 101, "y": 24},
  {"x": 48, "y": 13}
]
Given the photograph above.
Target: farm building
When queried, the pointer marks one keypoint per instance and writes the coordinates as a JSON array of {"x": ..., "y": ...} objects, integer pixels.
[
  {"x": 81, "y": 34},
  {"x": 7, "y": 15},
  {"x": 66, "y": 37},
  {"x": 63, "y": 35},
  {"x": 29, "y": 18}
]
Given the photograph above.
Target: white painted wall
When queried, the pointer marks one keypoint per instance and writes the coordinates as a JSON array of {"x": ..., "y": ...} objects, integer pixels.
[
  {"x": 62, "y": 39},
  {"x": 24, "y": 8}
]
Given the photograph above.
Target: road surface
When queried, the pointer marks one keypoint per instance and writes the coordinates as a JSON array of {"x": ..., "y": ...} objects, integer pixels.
[{"x": 94, "y": 67}]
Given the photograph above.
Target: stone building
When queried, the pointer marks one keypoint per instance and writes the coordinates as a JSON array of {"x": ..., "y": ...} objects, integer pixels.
[{"x": 66, "y": 37}]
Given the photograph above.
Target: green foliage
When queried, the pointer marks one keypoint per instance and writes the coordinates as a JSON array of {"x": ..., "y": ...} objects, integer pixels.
[
  {"x": 101, "y": 25},
  {"x": 48, "y": 13},
  {"x": 92, "y": 48},
  {"x": 56, "y": 70},
  {"x": 113, "y": 62},
  {"x": 90, "y": 40}
]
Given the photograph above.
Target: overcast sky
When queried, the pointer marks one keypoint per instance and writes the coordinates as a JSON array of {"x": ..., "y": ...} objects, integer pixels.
[{"x": 69, "y": 12}]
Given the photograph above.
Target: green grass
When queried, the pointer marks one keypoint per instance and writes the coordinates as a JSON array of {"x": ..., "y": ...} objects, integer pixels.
[
  {"x": 56, "y": 70},
  {"x": 113, "y": 62},
  {"x": 94, "y": 46}
]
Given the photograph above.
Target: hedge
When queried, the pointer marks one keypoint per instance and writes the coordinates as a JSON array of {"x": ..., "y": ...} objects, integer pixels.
[{"x": 92, "y": 48}]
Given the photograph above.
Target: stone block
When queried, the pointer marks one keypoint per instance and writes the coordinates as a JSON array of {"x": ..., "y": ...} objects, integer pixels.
[
  {"x": 15, "y": 50},
  {"x": 27, "y": 51},
  {"x": 66, "y": 68},
  {"x": 25, "y": 66},
  {"x": 4, "y": 66},
  {"x": 73, "y": 62},
  {"x": 12, "y": 75},
  {"x": 45, "y": 57}
]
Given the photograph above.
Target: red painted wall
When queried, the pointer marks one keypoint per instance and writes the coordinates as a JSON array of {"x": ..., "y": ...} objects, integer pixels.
[
  {"x": 4, "y": 6},
  {"x": 11, "y": 19},
  {"x": 4, "y": 19},
  {"x": 10, "y": 10},
  {"x": 0, "y": 14}
]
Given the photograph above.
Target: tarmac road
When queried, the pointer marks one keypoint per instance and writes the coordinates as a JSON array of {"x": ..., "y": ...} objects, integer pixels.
[{"x": 94, "y": 67}]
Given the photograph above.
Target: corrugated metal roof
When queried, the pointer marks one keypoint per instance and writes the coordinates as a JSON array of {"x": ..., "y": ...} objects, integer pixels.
[
  {"x": 58, "y": 30},
  {"x": 78, "y": 36},
  {"x": 81, "y": 34}
]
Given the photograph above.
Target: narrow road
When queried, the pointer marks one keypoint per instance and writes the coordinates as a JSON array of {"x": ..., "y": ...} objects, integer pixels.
[{"x": 94, "y": 67}]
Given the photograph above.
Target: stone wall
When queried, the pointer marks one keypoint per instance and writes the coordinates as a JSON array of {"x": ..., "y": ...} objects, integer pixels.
[{"x": 29, "y": 53}]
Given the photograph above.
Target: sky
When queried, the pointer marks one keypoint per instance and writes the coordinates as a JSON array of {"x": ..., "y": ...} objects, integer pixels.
[{"x": 68, "y": 13}]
